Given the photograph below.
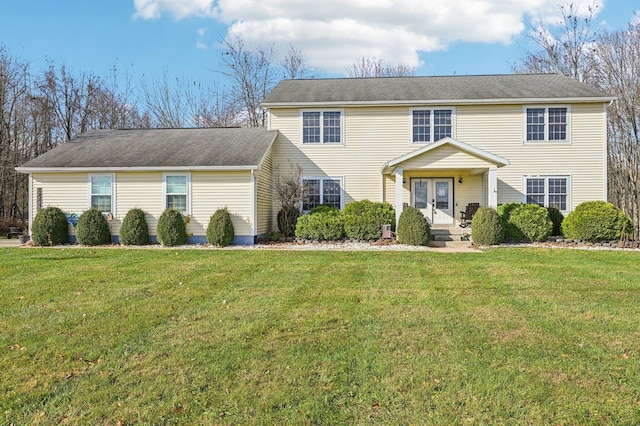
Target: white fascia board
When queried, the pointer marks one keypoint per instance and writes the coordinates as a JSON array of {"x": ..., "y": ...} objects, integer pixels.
[{"x": 134, "y": 169}]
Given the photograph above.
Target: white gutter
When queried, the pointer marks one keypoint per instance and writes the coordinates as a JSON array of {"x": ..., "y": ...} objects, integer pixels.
[{"x": 504, "y": 101}]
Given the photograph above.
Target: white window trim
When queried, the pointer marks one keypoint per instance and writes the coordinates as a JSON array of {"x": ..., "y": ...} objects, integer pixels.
[
  {"x": 546, "y": 139},
  {"x": 164, "y": 188},
  {"x": 431, "y": 133},
  {"x": 322, "y": 178},
  {"x": 546, "y": 188},
  {"x": 322, "y": 111},
  {"x": 113, "y": 189}
]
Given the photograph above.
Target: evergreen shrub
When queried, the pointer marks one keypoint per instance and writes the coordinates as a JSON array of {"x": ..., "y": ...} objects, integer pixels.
[
  {"x": 510, "y": 231},
  {"x": 171, "y": 229},
  {"x": 413, "y": 228},
  {"x": 326, "y": 226},
  {"x": 533, "y": 221},
  {"x": 93, "y": 229},
  {"x": 596, "y": 221},
  {"x": 50, "y": 227},
  {"x": 363, "y": 219},
  {"x": 134, "y": 229},
  {"x": 220, "y": 230},
  {"x": 486, "y": 227},
  {"x": 556, "y": 217}
]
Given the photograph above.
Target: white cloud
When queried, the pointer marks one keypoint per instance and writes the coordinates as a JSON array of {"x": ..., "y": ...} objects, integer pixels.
[{"x": 333, "y": 33}]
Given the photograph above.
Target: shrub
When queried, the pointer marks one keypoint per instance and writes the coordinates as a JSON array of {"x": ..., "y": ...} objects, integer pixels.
[
  {"x": 220, "y": 230},
  {"x": 134, "y": 229},
  {"x": 327, "y": 226},
  {"x": 322, "y": 208},
  {"x": 93, "y": 229},
  {"x": 533, "y": 221},
  {"x": 556, "y": 218},
  {"x": 171, "y": 228},
  {"x": 363, "y": 219},
  {"x": 595, "y": 221},
  {"x": 486, "y": 227},
  {"x": 50, "y": 227},
  {"x": 510, "y": 231},
  {"x": 413, "y": 228},
  {"x": 287, "y": 218}
]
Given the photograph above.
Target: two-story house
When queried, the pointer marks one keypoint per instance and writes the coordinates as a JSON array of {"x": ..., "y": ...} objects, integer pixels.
[{"x": 436, "y": 143}]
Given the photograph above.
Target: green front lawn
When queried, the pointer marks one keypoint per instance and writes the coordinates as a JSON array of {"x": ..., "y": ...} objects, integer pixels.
[{"x": 519, "y": 336}]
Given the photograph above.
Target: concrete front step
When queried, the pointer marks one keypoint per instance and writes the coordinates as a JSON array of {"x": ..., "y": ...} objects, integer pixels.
[
  {"x": 450, "y": 233},
  {"x": 451, "y": 244}
]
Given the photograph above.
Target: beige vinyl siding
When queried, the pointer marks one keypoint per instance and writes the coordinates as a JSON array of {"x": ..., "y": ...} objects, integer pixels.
[
  {"x": 213, "y": 190},
  {"x": 375, "y": 135},
  {"x": 265, "y": 195},
  {"x": 144, "y": 190},
  {"x": 141, "y": 190},
  {"x": 69, "y": 192}
]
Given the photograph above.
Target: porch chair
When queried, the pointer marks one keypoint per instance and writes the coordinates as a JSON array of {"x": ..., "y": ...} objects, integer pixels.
[{"x": 467, "y": 215}]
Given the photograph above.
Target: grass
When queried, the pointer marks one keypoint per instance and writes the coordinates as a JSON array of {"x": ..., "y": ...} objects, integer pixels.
[{"x": 517, "y": 336}]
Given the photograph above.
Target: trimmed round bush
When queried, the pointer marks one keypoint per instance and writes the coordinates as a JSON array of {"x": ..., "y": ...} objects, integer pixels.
[
  {"x": 171, "y": 229},
  {"x": 533, "y": 221},
  {"x": 596, "y": 221},
  {"x": 327, "y": 226},
  {"x": 413, "y": 228},
  {"x": 322, "y": 208},
  {"x": 134, "y": 230},
  {"x": 556, "y": 217},
  {"x": 220, "y": 230},
  {"x": 509, "y": 230},
  {"x": 287, "y": 218},
  {"x": 363, "y": 219},
  {"x": 93, "y": 229},
  {"x": 486, "y": 227},
  {"x": 50, "y": 227}
]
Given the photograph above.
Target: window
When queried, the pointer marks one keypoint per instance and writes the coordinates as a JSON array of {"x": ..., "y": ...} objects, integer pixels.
[
  {"x": 177, "y": 192},
  {"x": 431, "y": 125},
  {"x": 321, "y": 127},
  {"x": 548, "y": 191},
  {"x": 547, "y": 124},
  {"x": 317, "y": 191},
  {"x": 101, "y": 192}
]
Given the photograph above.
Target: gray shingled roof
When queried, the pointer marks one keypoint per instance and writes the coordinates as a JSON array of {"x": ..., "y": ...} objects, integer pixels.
[
  {"x": 229, "y": 148},
  {"x": 463, "y": 89}
]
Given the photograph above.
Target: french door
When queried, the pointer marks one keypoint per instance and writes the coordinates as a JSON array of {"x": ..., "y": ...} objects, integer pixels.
[{"x": 434, "y": 198}]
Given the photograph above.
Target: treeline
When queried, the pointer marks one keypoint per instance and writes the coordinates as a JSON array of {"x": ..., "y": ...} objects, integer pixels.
[{"x": 40, "y": 109}]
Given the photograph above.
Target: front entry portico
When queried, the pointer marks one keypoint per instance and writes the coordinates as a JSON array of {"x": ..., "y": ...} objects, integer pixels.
[{"x": 431, "y": 179}]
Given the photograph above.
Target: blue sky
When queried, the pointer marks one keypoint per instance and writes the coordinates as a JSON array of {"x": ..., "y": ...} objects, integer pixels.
[{"x": 180, "y": 37}]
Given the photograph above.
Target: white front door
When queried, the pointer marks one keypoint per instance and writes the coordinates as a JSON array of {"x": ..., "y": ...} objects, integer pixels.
[{"x": 434, "y": 198}]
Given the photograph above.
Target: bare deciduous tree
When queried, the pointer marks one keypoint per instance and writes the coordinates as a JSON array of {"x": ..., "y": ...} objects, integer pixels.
[
  {"x": 617, "y": 72},
  {"x": 295, "y": 64},
  {"x": 565, "y": 48},
  {"x": 376, "y": 67},
  {"x": 253, "y": 76}
]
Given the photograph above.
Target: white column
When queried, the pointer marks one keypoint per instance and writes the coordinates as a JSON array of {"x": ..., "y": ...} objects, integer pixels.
[
  {"x": 399, "y": 193},
  {"x": 492, "y": 196}
]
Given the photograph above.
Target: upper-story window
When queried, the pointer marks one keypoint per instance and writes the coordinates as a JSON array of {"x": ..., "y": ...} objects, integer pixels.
[
  {"x": 101, "y": 192},
  {"x": 322, "y": 127},
  {"x": 547, "y": 124},
  {"x": 431, "y": 125}
]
